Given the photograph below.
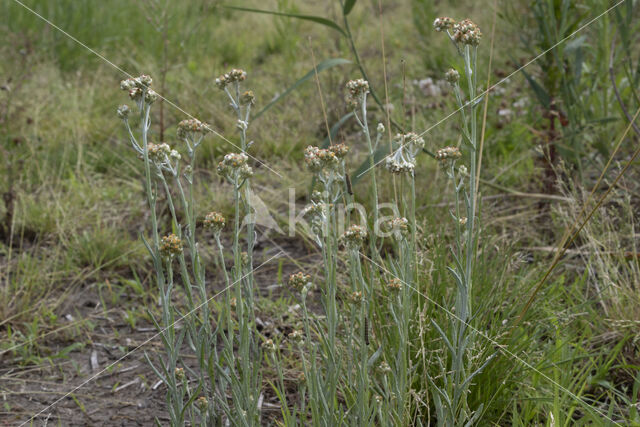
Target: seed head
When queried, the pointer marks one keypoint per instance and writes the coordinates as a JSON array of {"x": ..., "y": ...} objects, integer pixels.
[
  {"x": 443, "y": 23},
  {"x": 170, "y": 246},
  {"x": 214, "y": 221},
  {"x": 452, "y": 76}
]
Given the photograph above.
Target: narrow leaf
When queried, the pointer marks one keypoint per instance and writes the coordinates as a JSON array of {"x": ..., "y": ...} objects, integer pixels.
[
  {"x": 541, "y": 94},
  {"x": 317, "y": 19},
  {"x": 348, "y": 5}
]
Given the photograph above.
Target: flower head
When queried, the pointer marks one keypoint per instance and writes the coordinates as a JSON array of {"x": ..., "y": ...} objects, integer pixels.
[
  {"x": 398, "y": 226},
  {"x": 355, "y": 297},
  {"x": 299, "y": 281},
  {"x": 235, "y": 75},
  {"x": 354, "y": 236},
  {"x": 448, "y": 153},
  {"x": 234, "y": 167},
  {"x": 247, "y": 98},
  {"x": 394, "y": 284},
  {"x": 466, "y": 32},
  {"x": 179, "y": 374},
  {"x": 214, "y": 221},
  {"x": 158, "y": 152},
  {"x": 340, "y": 150},
  {"x": 452, "y": 76},
  {"x": 123, "y": 111},
  {"x": 443, "y": 23},
  {"x": 191, "y": 128},
  {"x": 296, "y": 336},
  {"x": 384, "y": 367},
  {"x": 171, "y": 245},
  {"x": 269, "y": 345},
  {"x": 319, "y": 159},
  {"x": 356, "y": 91},
  {"x": 139, "y": 87},
  {"x": 397, "y": 164},
  {"x": 202, "y": 403}
]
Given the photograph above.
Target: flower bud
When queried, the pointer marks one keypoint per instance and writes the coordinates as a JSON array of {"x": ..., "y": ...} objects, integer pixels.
[
  {"x": 247, "y": 98},
  {"x": 202, "y": 404},
  {"x": 123, "y": 111},
  {"x": 452, "y": 76}
]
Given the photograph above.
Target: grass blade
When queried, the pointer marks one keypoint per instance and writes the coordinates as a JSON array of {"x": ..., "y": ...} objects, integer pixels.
[
  {"x": 317, "y": 19},
  {"x": 348, "y": 6}
]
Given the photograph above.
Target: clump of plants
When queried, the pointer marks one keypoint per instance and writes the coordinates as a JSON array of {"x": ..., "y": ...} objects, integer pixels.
[
  {"x": 201, "y": 395},
  {"x": 357, "y": 361}
]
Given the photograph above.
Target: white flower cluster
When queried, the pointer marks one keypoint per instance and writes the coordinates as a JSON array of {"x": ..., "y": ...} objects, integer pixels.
[
  {"x": 356, "y": 91},
  {"x": 452, "y": 76},
  {"x": 235, "y": 75},
  {"x": 321, "y": 159},
  {"x": 448, "y": 154},
  {"x": 192, "y": 128},
  {"x": 139, "y": 88},
  {"x": 403, "y": 160},
  {"x": 443, "y": 23},
  {"x": 466, "y": 32},
  {"x": 354, "y": 236},
  {"x": 163, "y": 156},
  {"x": 234, "y": 168}
]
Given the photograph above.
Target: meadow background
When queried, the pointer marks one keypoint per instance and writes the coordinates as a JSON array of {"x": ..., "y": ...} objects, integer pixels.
[{"x": 76, "y": 281}]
